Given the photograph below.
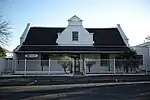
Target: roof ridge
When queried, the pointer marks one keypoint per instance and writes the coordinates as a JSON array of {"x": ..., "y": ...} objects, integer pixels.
[
  {"x": 45, "y": 27},
  {"x": 65, "y": 27},
  {"x": 102, "y": 28}
]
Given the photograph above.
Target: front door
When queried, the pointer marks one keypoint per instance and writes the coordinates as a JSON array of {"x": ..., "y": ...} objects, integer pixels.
[
  {"x": 77, "y": 65},
  {"x": 76, "y": 58}
]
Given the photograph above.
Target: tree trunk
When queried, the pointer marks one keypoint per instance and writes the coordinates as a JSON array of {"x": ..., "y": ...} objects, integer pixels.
[
  {"x": 42, "y": 68},
  {"x": 71, "y": 69},
  {"x": 127, "y": 69},
  {"x": 89, "y": 69},
  {"x": 65, "y": 70}
]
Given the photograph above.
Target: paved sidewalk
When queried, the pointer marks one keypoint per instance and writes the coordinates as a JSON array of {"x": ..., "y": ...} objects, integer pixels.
[
  {"x": 59, "y": 80},
  {"x": 59, "y": 87}
]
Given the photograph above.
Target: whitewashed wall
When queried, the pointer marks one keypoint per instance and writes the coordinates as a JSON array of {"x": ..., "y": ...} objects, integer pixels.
[
  {"x": 34, "y": 65},
  {"x": 149, "y": 58},
  {"x": 55, "y": 67},
  {"x": 85, "y": 38},
  {"x": 75, "y": 24},
  {"x": 31, "y": 64},
  {"x": 2, "y": 64},
  {"x": 98, "y": 68},
  {"x": 146, "y": 56}
]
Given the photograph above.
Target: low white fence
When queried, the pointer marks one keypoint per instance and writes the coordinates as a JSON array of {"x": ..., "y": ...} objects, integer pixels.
[
  {"x": 115, "y": 66},
  {"x": 71, "y": 67}
]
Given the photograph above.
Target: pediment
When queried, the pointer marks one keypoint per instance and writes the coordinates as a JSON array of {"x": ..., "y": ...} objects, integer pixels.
[{"x": 75, "y": 18}]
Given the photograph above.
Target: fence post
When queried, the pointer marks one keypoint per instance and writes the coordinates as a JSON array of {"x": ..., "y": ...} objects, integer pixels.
[
  {"x": 146, "y": 69},
  {"x": 14, "y": 65},
  {"x": 8, "y": 67},
  {"x": 73, "y": 66},
  {"x": 114, "y": 67},
  {"x": 49, "y": 66},
  {"x": 85, "y": 66},
  {"x": 25, "y": 68}
]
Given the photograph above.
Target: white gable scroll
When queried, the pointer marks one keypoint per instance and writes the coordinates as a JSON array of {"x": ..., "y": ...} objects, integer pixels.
[{"x": 75, "y": 25}]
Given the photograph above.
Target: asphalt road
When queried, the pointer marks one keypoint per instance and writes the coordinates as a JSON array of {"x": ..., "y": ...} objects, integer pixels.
[{"x": 113, "y": 92}]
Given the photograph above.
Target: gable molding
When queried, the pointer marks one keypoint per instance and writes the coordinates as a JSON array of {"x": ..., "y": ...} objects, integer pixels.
[
  {"x": 23, "y": 37},
  {"x": 124, "y": 37}
]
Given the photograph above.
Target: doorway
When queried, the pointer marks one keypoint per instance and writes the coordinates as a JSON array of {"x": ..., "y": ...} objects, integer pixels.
[{"x": 76, "y": 58}]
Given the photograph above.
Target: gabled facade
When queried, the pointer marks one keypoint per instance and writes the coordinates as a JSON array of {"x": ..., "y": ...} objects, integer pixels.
[
  {"x": 75, "y": 41},
  {"x": 66, "y": 37},
  {"x": 144, "y": 50}
]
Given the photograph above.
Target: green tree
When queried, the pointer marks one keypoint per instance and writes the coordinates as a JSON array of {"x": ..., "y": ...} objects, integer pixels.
[
  {"x": 128, "y": 60},
  {"x": 2, "y": 52},
  {"x": 128, "y": 54}
]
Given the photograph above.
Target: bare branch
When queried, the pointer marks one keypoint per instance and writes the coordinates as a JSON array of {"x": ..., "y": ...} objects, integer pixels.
[{"x": 4, "y": 32}]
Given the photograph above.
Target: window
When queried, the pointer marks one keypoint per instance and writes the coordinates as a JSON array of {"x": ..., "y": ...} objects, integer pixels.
[
  {"x": 75, "y": 36},
  {"x": 104, "y": 59}
]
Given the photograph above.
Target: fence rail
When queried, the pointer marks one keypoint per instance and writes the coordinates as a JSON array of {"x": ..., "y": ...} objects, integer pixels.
[{"x": 71, "y": 67}]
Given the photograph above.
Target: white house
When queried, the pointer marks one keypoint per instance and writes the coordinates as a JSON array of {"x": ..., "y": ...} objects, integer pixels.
[
  {"x": 144, "y": 49},
  {"x": 41, "y": 49}
]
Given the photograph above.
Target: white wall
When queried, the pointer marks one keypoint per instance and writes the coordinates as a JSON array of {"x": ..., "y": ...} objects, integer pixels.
[
  {"x": 5, "y": 65},
  {"x": 31, "y": 65},
  {"x": 55, "y": 67},
  {"x": 35, "y": 64},
  {"x": 149, "y": 58},
  {"x": 98, "y": 68},
  {"x": 146, "y": 56},
  {"x": 84, "y": 38},
  {"x": 2, "y": 64}
]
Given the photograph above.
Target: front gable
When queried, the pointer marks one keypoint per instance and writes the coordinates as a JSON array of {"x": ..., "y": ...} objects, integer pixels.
[{"x": 75, "y": 25}]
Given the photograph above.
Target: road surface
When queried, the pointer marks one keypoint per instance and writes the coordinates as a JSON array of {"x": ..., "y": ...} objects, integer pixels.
[{"x": 112, "y": 92}]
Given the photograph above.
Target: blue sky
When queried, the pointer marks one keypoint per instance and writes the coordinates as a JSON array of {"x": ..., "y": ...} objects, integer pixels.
[{"x": 133, "y": 15}]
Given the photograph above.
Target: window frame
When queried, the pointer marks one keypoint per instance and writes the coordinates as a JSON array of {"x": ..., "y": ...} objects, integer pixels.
[{"x": 75, "y": 36}]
